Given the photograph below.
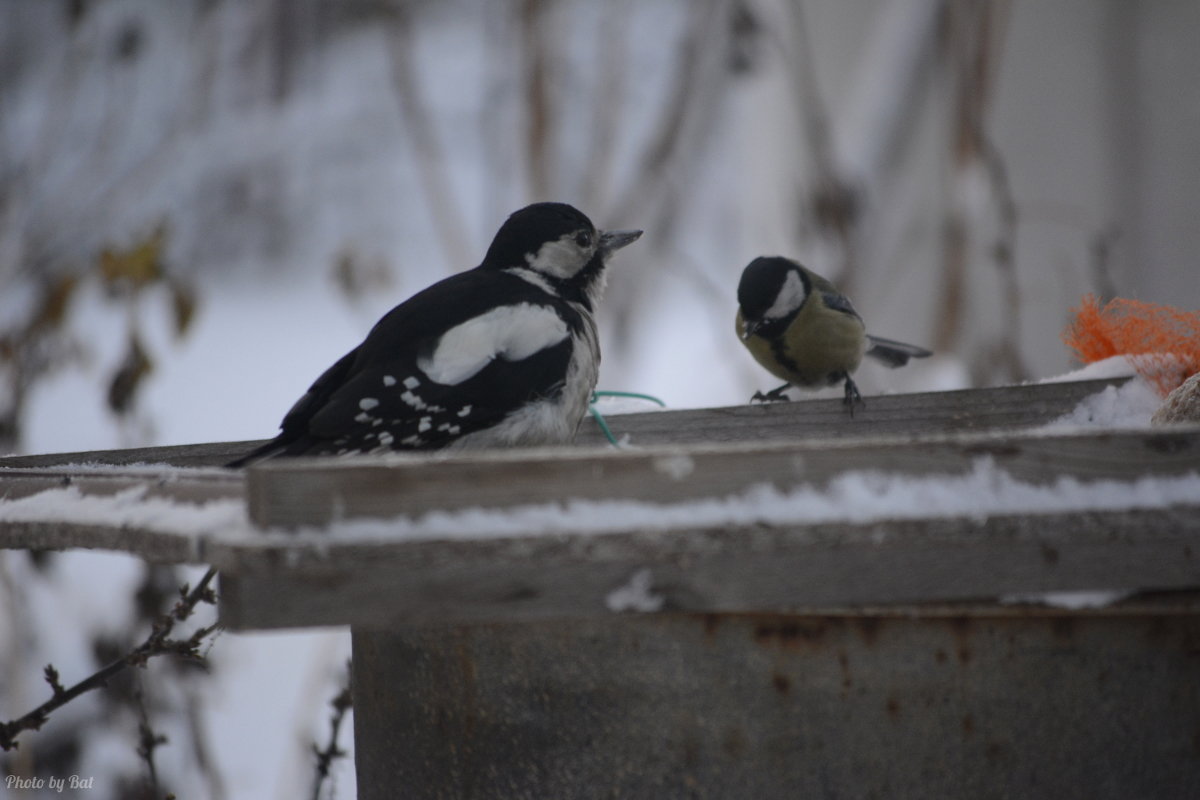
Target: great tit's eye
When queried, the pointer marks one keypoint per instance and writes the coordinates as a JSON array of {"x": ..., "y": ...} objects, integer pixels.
[{"x": 583, "y": 239}]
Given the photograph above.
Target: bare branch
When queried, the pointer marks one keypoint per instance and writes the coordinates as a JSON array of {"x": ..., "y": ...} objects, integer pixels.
[
  {"x": 832, "y": 202},
  {"x": 1004, "y": 256},
  {"x": 341, "y": 703},
  {"x": 430, "y": 158},
  {"x": 201, "y": 750},
  {"x": 611, "y": 73},
  {"x": 52, "y": 679},
  {"x": 540, "y": 134},
  {"x": 1100, "y": 262},
  {"x": 974, "y": 33},
  {"x": 148, "y": 741},
  {"x": 697, "y": 87},
  {"x": 157, "y": 643}
]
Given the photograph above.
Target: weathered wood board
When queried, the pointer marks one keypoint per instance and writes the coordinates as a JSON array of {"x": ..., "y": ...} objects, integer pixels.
[
  {"x": 211, "y": 454},
  {"x": 272, "y": 579},
  {"x": 156, "y": 542},
  {"x": 998, "y": 408},
  {"x": 296, "y": 492},
  {"x": 774, "y": 568}
]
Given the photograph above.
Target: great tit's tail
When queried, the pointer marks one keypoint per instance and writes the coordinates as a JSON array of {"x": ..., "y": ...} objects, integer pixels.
[{"x": 892, "y": 353}]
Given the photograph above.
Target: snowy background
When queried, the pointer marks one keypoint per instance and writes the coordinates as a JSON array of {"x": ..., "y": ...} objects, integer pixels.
[{"x": 203, "y": 203}]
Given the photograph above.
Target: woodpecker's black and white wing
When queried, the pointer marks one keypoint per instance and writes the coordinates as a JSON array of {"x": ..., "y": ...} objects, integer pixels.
[{"x": 480, "y": 353}]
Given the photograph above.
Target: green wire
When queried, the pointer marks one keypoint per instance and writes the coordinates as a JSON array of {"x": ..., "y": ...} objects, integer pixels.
[
  {"x": 608, "y": 434},
  {"x": 649, "y": 397},
  {"x": 596, "y": 415}
]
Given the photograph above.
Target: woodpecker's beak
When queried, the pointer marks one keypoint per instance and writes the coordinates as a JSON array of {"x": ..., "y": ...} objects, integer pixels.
[
  {"x": 615, "y": 240},
  {"x": 750, "y": 327}
]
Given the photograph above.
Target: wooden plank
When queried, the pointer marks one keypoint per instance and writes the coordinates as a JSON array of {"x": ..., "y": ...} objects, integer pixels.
[
  {"x": 212, "y": 454},
  {"x": 152, "y": 545},
  {"x": 998, "y": 408},
  {"x": 720, "y": 569},
  {"x": 179, "y": 486},
  {"x": 314, "y": 491},
  {"x": 158, "y": 543},
  {"x": 723, "y": 569},
  {"x": 276, "y": 580},
  {"x": 995, "y": 408}
]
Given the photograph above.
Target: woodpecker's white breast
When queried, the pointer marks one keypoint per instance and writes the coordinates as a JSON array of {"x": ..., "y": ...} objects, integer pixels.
[{"x": 553, "y": 420}]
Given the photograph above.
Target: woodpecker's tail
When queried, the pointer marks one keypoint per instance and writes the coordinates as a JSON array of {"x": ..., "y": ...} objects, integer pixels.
[
  {"x": 263, "y": 451},
  {"x": 894, "y": 354}
]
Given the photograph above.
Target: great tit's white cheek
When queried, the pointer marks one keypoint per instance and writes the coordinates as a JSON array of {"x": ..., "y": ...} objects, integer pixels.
[{"x": 791, "y": 296}]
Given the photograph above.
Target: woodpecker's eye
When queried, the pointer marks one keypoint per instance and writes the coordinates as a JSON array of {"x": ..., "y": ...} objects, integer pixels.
[{"x": 583, "y": 239}]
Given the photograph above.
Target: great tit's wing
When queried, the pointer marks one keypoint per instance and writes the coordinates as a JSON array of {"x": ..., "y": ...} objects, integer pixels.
[
  {"x": 839, "y": 302},
  {"x": 892, "y": 353}
]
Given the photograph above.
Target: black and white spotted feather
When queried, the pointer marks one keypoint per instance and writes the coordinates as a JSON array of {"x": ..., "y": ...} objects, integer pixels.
[{"x": 503, "y": 354}]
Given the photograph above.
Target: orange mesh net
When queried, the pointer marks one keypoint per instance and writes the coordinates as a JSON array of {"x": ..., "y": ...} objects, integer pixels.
[{"x": 1162, "y": 343}]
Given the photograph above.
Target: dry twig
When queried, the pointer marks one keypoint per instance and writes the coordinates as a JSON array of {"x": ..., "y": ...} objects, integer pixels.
[
  {"x": 148, "y": 741},
  {"x": 157, "y": 643},
  {"x": 331, "y": 752}
]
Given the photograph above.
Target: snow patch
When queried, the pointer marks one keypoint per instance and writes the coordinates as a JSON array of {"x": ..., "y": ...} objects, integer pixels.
[
  {"x": 675, "y": 467},
  {"x": 635, "y": 595},
  {"x": 1129, "y": 405},
  {"x": 130, "y": 508},
  {"x": 854, "y": 497},
  {"x": 1072, "y": 601},
  {"x": 1105, "y": 369}
]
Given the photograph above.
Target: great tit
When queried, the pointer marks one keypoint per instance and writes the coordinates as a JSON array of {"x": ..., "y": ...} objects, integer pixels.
[
  {"x": 503, "y": 354},
  {"x": 803, "y": 330}
]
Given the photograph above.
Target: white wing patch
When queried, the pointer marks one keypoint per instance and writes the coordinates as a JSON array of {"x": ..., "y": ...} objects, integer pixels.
[{"x": 511, "y": 332}]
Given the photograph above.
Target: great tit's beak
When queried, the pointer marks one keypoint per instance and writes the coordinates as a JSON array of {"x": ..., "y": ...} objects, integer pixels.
[
  {"x": 750, "y": 327},
  {"x": 615, "y": 240}
]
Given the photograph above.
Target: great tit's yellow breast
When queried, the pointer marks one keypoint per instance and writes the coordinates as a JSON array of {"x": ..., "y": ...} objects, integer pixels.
[
  {"x": 821, "y": 342},
  {"x": 760, "y": 348},
  {"x": 818, "y": 346}
]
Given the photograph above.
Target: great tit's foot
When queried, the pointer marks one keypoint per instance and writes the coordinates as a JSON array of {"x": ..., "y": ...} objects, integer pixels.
[
  {"x": 776, "y": 395},
  {"x": 852, "y": 397}
]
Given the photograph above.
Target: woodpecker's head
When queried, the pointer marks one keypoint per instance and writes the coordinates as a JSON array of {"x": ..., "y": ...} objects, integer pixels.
[
  {"x": 772, "y": 289},
  {"x": 558, "y": 243}
]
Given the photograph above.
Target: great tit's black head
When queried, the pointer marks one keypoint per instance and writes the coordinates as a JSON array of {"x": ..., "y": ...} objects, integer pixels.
[
  {"x": 558, "y": 242},
  {"x": 772, "y": 289}
]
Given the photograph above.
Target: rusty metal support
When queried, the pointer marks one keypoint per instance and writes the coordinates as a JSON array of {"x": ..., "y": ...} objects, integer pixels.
[{"x": 896, "y": 703}]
